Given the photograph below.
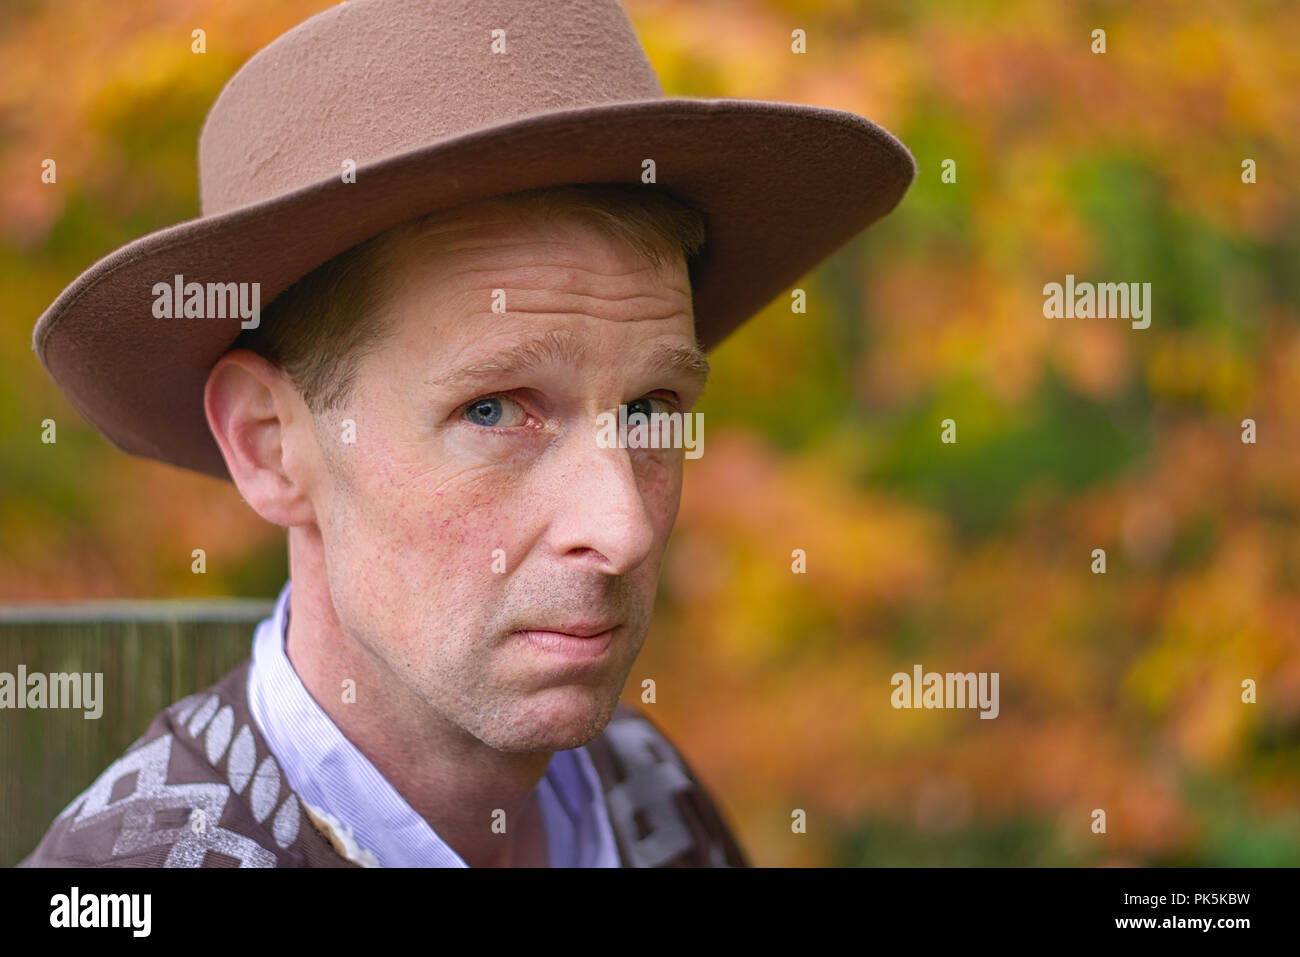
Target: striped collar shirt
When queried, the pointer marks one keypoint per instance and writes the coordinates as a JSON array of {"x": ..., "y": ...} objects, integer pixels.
[{"x": 340, "y": 786}]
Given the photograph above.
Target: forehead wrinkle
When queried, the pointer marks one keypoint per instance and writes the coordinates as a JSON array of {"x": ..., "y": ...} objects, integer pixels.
[
  {"x": 575, "y": 279},
  {"x": 533, "y": 263},
  {"x": 528, "y": 265},
  {"x": 527, "y": 292}
]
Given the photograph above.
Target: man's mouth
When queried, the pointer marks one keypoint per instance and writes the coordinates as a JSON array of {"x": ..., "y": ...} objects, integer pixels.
[
  {"x": 583, "y": 641},
  {"x": 580, "y": 630}
]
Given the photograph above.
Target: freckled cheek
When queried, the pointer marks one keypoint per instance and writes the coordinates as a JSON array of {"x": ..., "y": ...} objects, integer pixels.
[
  {"x": 459, "y": 523},
  {"x": 659, "y": 479},
  {"x": 430, "y": 551}
]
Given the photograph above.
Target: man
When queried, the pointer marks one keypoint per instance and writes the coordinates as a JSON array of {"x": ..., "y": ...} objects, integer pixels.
[{"x": 456, "y": 302}]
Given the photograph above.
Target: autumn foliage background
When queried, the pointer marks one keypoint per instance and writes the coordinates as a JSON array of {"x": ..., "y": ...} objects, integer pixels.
[{"x": 1119, "y": 691}]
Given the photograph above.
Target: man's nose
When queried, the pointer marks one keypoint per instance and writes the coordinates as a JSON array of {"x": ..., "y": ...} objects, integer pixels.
[{"x": 601, "y": 510}]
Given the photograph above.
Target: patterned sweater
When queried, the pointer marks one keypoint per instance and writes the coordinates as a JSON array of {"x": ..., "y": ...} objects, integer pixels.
[{"x": 201, "y": 789}]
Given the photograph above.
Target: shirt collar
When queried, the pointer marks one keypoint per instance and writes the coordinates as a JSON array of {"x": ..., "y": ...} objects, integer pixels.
[{"x": 341, "y": 786}]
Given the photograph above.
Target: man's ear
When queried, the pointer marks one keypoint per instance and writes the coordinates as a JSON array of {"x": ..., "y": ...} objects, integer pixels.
[{"x": 257, "y": 416}]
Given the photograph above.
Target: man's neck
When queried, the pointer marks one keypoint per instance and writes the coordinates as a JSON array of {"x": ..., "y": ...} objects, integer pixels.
[{"x": 455, "y": 782}]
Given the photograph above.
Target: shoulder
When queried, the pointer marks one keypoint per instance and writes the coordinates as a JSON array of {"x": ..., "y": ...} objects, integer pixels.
[
  {"x": 661, "y": 813},
  {"x": 199, "y": 788}
]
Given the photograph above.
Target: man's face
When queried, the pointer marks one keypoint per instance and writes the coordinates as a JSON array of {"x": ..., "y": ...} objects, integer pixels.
[{"x": 476, "y": 504}]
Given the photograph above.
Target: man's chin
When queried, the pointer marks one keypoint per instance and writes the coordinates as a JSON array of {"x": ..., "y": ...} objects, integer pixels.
[{"x": 555, "y": 720}]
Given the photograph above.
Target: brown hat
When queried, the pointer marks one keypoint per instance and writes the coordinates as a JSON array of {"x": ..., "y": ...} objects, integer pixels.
[{"x": 437, "y": 103}]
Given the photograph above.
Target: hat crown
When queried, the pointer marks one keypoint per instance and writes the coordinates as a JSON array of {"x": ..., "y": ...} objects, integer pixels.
[{"x": 371, "y": 78}]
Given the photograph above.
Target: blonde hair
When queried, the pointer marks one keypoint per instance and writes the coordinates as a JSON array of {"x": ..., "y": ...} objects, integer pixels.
[{"x": 318, "y": 329}]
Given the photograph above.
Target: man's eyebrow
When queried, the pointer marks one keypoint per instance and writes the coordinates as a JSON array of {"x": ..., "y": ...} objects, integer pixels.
[
  {"x": 559, "y": 347},
  {"x": 551, "y": 348},
  {"x": 689, "y": 361}
]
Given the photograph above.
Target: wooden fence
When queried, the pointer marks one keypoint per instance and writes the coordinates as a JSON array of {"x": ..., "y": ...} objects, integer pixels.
[{"x": 150, "y": 654}]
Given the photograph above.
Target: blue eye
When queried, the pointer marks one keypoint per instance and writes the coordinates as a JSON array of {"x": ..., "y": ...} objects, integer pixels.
[
  {"x": 496, "y": 410},
  {"x": 484, "y": 411}
]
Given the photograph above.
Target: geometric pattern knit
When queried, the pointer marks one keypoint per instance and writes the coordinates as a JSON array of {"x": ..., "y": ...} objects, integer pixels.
[{"x": 200, "y": 788}]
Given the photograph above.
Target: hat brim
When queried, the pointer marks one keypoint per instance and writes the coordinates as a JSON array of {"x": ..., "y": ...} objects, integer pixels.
[{"x": 781, "y": 186}]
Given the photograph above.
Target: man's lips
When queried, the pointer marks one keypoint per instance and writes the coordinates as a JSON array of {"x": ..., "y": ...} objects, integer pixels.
[
  {"x": 582, "y": 630},
  {"x": 580, "y": 642}
]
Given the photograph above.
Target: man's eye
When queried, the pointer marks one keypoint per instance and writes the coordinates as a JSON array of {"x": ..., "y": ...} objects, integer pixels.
[
  {"x": 648, "y": 406},
  {"x": 495, "y": 410}
]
